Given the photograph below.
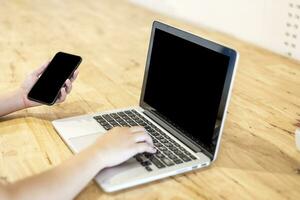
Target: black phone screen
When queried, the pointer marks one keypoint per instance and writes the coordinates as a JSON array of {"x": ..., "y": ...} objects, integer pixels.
[{"x": 47, "y": 89}]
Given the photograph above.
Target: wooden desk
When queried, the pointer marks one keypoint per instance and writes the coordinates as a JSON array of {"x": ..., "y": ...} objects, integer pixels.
[{"x": 258, "y": 158}]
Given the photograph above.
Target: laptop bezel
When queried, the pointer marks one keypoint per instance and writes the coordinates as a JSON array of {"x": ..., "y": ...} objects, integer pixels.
[{"x": 231, "y": 53}]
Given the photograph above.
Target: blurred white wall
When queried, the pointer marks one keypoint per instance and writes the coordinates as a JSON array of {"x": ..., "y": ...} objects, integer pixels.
[{"x": 272, "y": 24}]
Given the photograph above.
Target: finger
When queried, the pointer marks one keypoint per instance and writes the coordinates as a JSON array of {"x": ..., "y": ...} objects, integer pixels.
[
  {"x": 41, "y": 69},
  {"x": 120, "y": 128},
  {"x": 63, "y": 95},
  {"x": 137, "y": 129},
  {"x": 75, "y": 74},
  {"x": 68, "y": 86},
  {"x": 143, "y": 147},
  {"x": 143, "y": 137}
]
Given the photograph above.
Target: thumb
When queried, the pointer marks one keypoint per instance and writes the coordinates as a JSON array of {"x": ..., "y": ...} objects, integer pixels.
[{"x": 41, "y": 69}]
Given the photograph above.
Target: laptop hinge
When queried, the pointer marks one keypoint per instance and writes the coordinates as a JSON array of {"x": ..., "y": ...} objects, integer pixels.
[{"x": 177, "y": 133}]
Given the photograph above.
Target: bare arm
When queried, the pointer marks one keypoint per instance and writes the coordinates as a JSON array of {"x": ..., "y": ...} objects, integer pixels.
[
  {"x": 11, "y": 102},
  {"x": 69, "y": 178}
]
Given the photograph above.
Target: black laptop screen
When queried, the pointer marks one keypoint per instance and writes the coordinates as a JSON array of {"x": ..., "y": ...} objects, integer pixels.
[{"x": 184, "y": 85}]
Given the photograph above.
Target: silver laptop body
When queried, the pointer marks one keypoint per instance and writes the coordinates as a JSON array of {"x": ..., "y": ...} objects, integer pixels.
[{"x": 185, "y": 95}]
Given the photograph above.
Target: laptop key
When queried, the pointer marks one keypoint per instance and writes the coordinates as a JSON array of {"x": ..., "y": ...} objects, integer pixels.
[
  {"x": 154, "y": 134},
  {"x": 159, "y": 155},
  {"x": 134, "y": 111},
  {"x": 111, "y": 121},
  {"x": 121, "y": 114},
  {"x": 138, "y": 114},
  {"x": 185, "y": 158},
  {"x": 181, "y": 148},
  {"x": 177, "y": 152},
  {"x": 107, "y": 127},
  {"x": 172, "y": 156},
  {"x": 157, "y": 163},
  {"x": 164, "y": 141},
  {"x": 167, "y": 162},
  {"x": 167, "y": 137},
  {"x": 124, "y": 117},
  {"x": 104, "y": 123},
  {"x": 107, "y": 117},
  {"x": 143, "y": 124},
  {"x": 168, "y": 145},
  {"x": 152, "y": 126},
  {"x": 180, "y": 154},
  {"x": 146, "y": 163},
  {"x": 147, "y": 121},
  {"x": 133, "y": 123},
  {"x": 128, "y": 112},
  {"x": 148, "y": 168},
  {"x": 138, "y": 158},
  {"x": 167, "y": 152},
  {"x": 177, "y": 161},
  {"x": 159, "y": 137},
  {"x": 124, "y": 123},
  {"x": 148, "y": 155},
  {"x": 134, "y": 118},
  {"x": 188, "y": 153},
  {"x": 118, "y": 119},
  {"x": 158, "y": 144},
  {"x": 139, "y": 121},
  {"x": 113, "y": 115},
  {"x": 128, "y": 120},
  {"x": 162, "y": 148},
  {"x": 176, "y": 144},
  {"x": 151, "y": 131},
  {"x": 98, "y": 118},
  {"x": 173, "y": 148}
]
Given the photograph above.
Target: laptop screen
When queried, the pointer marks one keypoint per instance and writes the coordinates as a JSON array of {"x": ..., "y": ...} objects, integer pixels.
[{"x": 184, "y": 85}]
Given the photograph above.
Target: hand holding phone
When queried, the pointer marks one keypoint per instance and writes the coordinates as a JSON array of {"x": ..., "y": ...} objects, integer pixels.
[{"x": 47, "y": 88}]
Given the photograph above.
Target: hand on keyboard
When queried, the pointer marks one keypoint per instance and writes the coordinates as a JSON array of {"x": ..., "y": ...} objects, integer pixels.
[
  {"x": 168, "y": 153},
  {"x": 121, "y": 143}
]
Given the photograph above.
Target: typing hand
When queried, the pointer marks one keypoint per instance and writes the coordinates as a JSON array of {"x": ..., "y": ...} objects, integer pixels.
[{"x": 120, "y": 144}]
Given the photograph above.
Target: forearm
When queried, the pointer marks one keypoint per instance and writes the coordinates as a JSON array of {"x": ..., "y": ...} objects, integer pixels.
[
  {"x": 63, "y": 182},
  {"x": 11, "y": 102},
  {"x": 68, "y": 179}
]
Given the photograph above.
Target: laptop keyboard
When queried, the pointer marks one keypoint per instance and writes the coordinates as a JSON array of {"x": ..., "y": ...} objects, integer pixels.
[{"x": 168, "y": 153}]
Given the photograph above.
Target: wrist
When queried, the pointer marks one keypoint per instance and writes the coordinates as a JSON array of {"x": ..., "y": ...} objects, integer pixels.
[
  {"x": 21, "y": 96},
  {"x": 20, "y": 99},
  {"x": 99, "y": 156}
]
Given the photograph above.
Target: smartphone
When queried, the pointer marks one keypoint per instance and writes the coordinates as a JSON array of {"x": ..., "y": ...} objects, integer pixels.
[{"x": 47, "y": 88}]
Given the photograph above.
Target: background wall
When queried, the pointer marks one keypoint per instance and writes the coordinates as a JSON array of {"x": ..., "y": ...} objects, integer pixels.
[{"x": 272, "y": 24}]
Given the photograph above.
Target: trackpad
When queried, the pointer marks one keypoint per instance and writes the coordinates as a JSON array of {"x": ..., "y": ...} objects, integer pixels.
[{"x": 79, "y": 143}]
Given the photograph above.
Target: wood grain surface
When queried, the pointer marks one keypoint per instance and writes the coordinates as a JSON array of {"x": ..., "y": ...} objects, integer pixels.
[{"x": 258, "y": 158}]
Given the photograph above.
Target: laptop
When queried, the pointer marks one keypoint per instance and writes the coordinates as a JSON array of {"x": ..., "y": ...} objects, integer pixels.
[{"x": 184, "y": 98}]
